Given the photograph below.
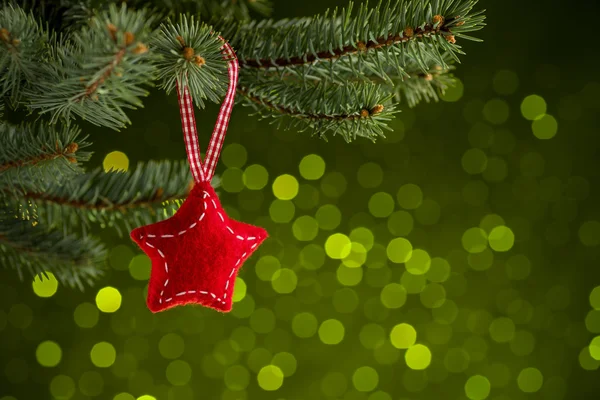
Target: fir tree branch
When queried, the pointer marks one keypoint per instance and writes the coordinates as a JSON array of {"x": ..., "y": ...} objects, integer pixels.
[
  {"x": 33, "y": 155},
  {"x": 355, "y": 109},
  {"x": 22, "y": 44},
  {"x": 386, "y": 34},
  {"x": 99, "y": 71},
  {"x": 191, "y": 53},
  {"x": 26, "y": 245},
  {"x": 115, "y": 198}
]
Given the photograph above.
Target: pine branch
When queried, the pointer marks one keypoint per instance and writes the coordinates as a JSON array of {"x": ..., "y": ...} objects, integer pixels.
[
  {"x": 191, "y": 53},
  {"x": 387, "y": 34},
  {"x": 22, "y": 44},
  {"x": 115, "y": 198},
  {"x": 26, "y": 246},
  {"x": 355, "y": 109},
  {"x": 99, "y": 71},
  {"x": 34, "y": 155}
]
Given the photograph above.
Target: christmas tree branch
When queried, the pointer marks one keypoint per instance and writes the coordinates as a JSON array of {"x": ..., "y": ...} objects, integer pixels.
[
  {"x": 98, "y": 71},
  {"x": 392, "y": 34},
  {"x": 115, "y": 198},
  {"x": 26, "y": 245},
  {"x": 356, "y": 109},
  {"x": 32, "y": 155},
  {"x": 22, "y": 44}
]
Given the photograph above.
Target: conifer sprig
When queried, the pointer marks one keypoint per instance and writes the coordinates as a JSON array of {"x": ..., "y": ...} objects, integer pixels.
[
  {"x": 34, "y": 155},
  {"x": 22, "y": 46},
  {"x": 27, "y": 246},
  {"x": 98, "y": 71},
  {"x": 118, "y": 199},
  {"x": 190, "y": 52},
  {"x": 352, "y": 110}
]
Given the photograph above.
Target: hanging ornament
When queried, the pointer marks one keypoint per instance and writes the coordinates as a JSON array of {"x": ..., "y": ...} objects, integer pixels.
[{"x": 197, "y": 253}]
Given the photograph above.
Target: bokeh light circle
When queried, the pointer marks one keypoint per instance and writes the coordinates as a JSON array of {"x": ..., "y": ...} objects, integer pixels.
[
  {"x": 48, "y": 354},
  {"x": 403, "y": 336},
  {"x": 477, "y": 387},
  {"x": 108, "y": 299},
  {"x": 312, "y": 167},
  {"x": 418, "y": 357},
  {"x": 365, "y": 379},
  {"x": 270, "y": 377},
  {"x": 45, "y": 285}
]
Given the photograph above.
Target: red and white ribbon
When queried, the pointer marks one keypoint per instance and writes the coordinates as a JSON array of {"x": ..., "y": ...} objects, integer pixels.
[{"x": 204, "y": 171}]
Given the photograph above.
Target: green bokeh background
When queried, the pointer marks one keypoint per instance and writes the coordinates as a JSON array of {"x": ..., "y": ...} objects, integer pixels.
[{"x": 502, "y": 319}]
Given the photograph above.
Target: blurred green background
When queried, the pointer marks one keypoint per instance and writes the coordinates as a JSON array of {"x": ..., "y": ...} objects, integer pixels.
[{"x": 456, "y": 259}]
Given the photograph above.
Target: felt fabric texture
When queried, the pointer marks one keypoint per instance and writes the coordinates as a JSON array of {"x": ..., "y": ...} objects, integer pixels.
[{"x": 197, "y": 253}]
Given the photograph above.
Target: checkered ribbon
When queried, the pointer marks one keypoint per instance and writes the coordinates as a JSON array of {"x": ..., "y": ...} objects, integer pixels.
[{"x": 203, "y": 172}]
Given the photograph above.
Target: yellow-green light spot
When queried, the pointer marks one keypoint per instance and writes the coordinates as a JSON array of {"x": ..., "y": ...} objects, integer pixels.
[
  {"x": 410, "y": 196},
  {"x": 477, "y": 387},
  {"x": 286, "y": 362},
  {"x": 365, "y": 379},
  {"x": 171, "y": 346},
  {"x": 400, "y": 223},
  {"x": 62, "y": 387},
  {"x": 369, "y": 175},
  {"x": 239, "y": 290},
  {"x": 285, "y": 187},
  {"x": 284, "y": 281},
  {"x": 178, "y": 373},
  {"x": 474, "y": 161},
  {"x": 595, "y": 298},
  {"x": 115, "y": 160},
  {"x": 108, "y": 299},
  {"x": 364, "y": 236},
  {"x": 234, "y": 155},
  {"x": 237, "y": 378},
  {"x": 86, "y": 315},
  {"x": 589, "y": 233},
  {"x": 331, "y": 331},
  {"x": 393, "y": 295},
  {"x": 282, "y": 211},
  {"x": 270, "y": 377},
  {"x": 496, "y": 111},
  {"x": 474, "y": 240},
  {"x": 403, "y": 336},
  {"x": 419, "y": 262},
  {"x": 255, "y": 177},
  {"x": 349, "y": 276},
  {"x": 457, "y": 360},
  {"x": 381, "y": 205},
  {"x": 103, "y": 355},
  {"x": 45, "y": 285},
  {"x": 544, "y": 127},
  {"x": 304, "y": 324},
  {"x": 453, "y": 92},
  {"x": 530, "y": 380},
  {"x": 433, "y": 296},
  {"x": 328, "y": 217},
  {"x": 595, "y": 348},
  {"x": 533, "y": 107},
  {"x": 266, "y": 266},
  {"x": 357, "y": 256},
  {"x": 338, "y": 246},
  {"x": 48, "y": 354},
  {"x": 399, "y": 250},
  {"x": 586, "y": 360},
  {"x": 146, "y": 397},
  {"x": 232, "y": 180},
  {"x": 502, "y": 329},
  {"x": 312, "y": 167},
  {"x": 523, "y": 343},
  {"x": 439, "y": 270},
  {"x": 139, "y": 267},
  {"x": 418, "y": 357},
  {"x": 305, "y": 228}
]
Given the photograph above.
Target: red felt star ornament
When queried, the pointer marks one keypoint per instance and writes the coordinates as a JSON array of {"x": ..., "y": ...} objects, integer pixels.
[{"x": 197, "y": 253}]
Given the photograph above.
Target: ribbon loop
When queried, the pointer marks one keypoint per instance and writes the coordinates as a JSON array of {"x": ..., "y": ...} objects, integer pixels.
[{"x": 203, "y": 172}]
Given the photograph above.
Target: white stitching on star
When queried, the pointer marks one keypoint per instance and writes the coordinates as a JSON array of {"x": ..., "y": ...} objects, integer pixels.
[{"x": 214, "y": 296}]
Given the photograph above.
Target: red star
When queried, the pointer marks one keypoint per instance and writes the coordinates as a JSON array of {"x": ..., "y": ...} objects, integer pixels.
[{"x": 197, "y": 253}]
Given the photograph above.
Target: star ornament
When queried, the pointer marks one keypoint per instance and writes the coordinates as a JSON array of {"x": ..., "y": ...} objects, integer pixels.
[{"x": 197, "y": 253}]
